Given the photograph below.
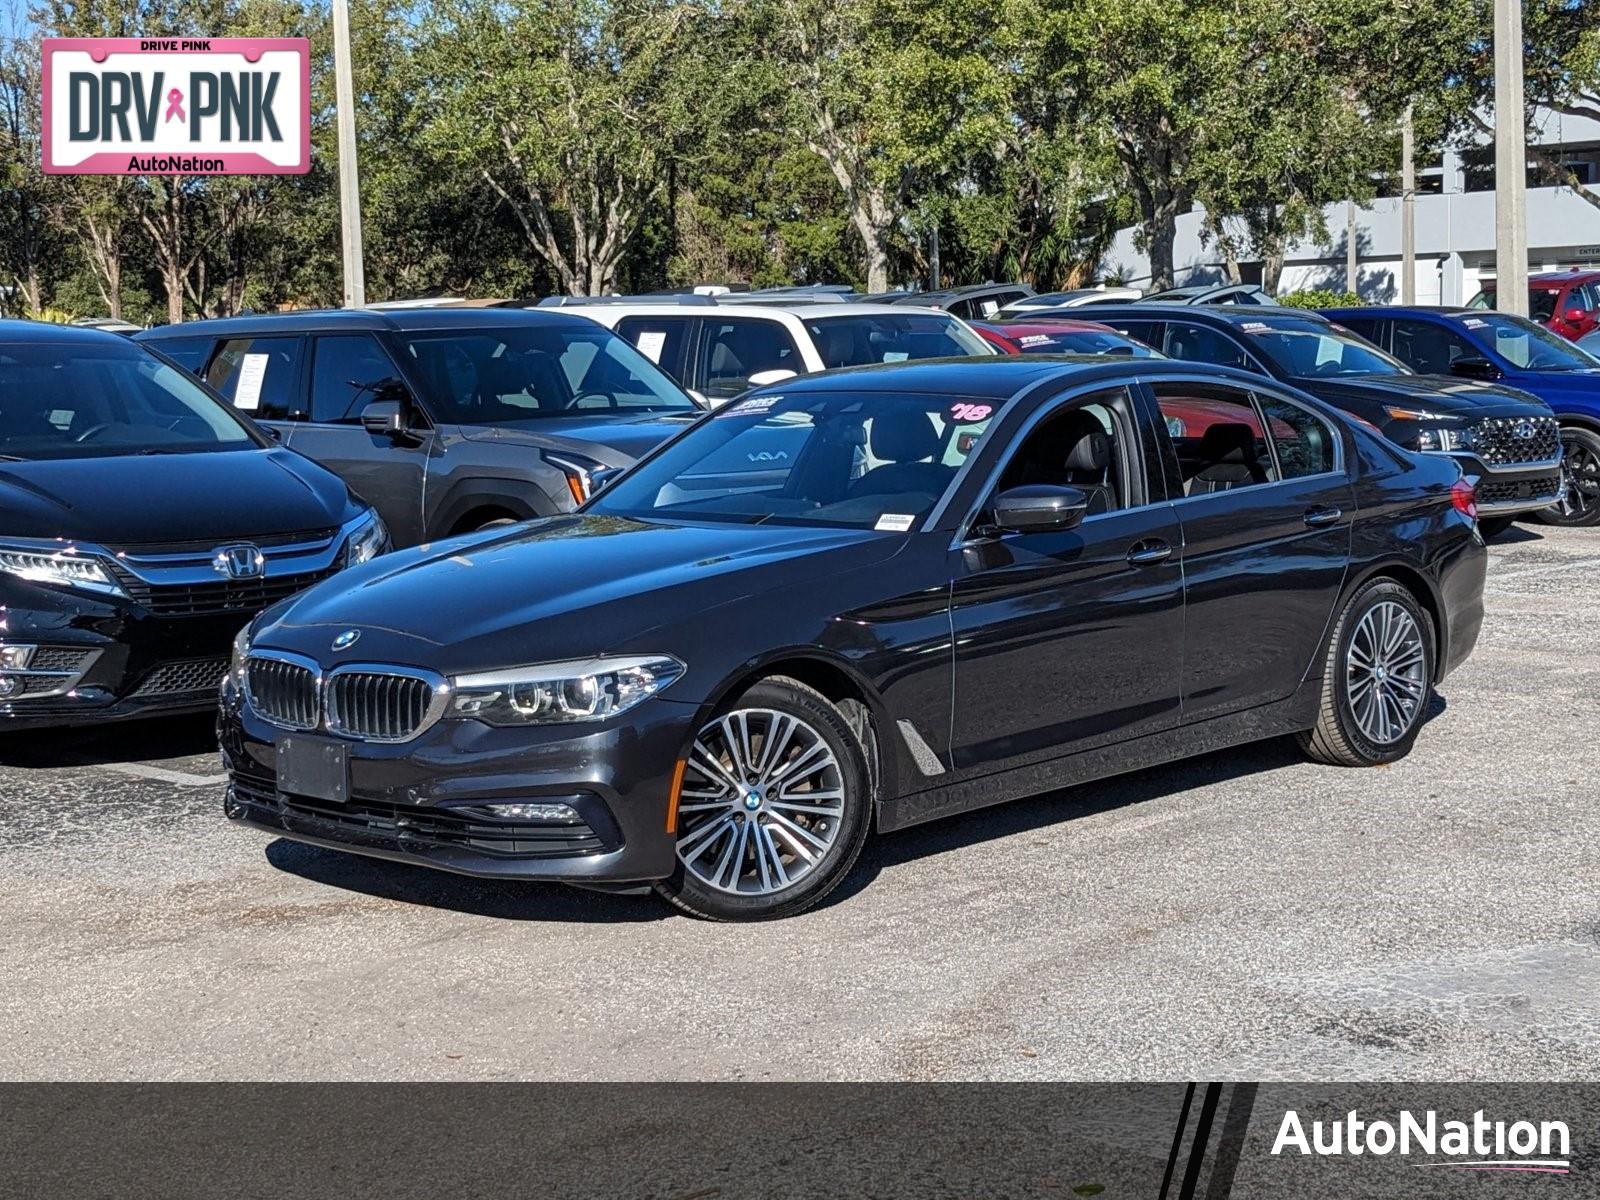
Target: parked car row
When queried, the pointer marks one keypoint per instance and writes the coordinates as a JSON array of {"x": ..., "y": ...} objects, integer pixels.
[{"x": 804, "y": 570}]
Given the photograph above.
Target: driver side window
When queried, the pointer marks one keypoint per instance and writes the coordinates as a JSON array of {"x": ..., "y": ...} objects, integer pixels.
[
  {"x": 1081, "y": 446},
  {"x": 345, "y": 370}
]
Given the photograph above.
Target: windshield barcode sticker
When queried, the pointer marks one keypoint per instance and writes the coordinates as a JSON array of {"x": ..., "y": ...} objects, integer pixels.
[{"x": 895, "y": 522}]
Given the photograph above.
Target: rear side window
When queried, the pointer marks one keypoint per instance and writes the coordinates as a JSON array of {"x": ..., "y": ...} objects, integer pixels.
[
  {"x": 663, "y": 340},
  {"x": 188, "y": 353},
  {"x": 1302, "y": 440},
  {"x": 733, "y": 350},
  {"x": 261, "y": 376},
  {"x": 345, "y": 373},
  {"x": 1217, "y": 436}
]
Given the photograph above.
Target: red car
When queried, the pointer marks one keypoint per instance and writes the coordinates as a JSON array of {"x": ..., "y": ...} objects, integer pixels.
[
  {"x": 1059, "y": 335},
  {"x": 1566, "y": 301}
]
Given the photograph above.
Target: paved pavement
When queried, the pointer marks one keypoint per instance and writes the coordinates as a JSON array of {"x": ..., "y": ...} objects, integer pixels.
[{"x": 1245, "y": 915}]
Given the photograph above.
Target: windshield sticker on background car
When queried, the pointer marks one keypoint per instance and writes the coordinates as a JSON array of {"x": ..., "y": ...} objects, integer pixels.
[
  {"x": 896, "y": 355},
  {"x": 1034, "y": 339},
  {"x": 1474, "y": 323},
  {"x": 895, "y": 522},
  {"x": 966, "y": 413},
  {"x": 252, "y": 374},
  {"x": 1254, "y": 327},
  {"x": 651, "y": 343},
  {"x": 753, "y": 407}
]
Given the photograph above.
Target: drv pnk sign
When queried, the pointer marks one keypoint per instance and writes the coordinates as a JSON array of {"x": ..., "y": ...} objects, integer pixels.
[{"x": 177, "y": 106}]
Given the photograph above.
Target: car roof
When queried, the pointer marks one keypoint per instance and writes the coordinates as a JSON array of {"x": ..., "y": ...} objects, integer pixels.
[
  {"x": 800, "y": 311},
  {"x": 1390, "y": 310},
  {"x": 1024, "y": 326},
  {"x": 996, "y": 377},
  {"x": 1570, "y": 275},
  {"x": 17, "y": 333},
  {"x": 943, "y": 295},
  {"x": 1222, "y": 314},
  {"x": 347, "y": 320}
]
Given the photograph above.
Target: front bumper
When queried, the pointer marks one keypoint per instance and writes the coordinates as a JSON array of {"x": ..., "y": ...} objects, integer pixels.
[
  {"x": 421, "y": 802},
  {"x": 105, "y": 659},
  {"x": 1505, "y": 491}
]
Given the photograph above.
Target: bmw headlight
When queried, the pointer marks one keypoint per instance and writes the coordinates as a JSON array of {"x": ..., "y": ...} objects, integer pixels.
[
  {"x": 241, "y": 652},
  {"x": 66, "y": 567},
  {"x": 368, "y": 538},
  {"x": 561, "y": 692}
]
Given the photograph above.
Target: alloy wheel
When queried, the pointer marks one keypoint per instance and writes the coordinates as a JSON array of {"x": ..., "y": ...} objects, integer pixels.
[
  {"x": 1385, "y": 672},
  {"x": 762, "y": 802},
  {"x": 1580, "y": 473}
]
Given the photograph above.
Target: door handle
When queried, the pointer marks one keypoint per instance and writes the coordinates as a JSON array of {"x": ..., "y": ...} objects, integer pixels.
[
  {"x": 1318, "y": 517},
  {"x": 1142, "y": 554}
]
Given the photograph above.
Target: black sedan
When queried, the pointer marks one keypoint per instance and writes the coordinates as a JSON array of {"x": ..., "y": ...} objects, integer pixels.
[{"x": 864, "y": 599}]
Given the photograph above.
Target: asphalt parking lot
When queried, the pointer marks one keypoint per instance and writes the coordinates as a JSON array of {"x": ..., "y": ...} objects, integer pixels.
[{"x": 1245, "y": 915}]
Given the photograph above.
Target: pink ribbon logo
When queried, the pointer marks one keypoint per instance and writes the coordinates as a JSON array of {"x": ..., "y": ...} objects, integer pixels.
[{"x": 175, "y": 105}]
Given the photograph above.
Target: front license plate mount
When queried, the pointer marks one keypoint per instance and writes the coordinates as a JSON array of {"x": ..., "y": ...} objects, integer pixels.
[{"x": 315, "y": 767}]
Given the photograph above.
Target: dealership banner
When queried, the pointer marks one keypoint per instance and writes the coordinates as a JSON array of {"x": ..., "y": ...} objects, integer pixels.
[
  {"x": 684, "y": 1141},
  {"x": 177, "y": 106}
]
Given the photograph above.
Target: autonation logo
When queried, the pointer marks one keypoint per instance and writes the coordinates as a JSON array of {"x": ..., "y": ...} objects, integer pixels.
[{"x": 1476, "y": 1145}]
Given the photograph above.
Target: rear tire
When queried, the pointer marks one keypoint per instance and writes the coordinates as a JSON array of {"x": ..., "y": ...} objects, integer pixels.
[
  {"x": 1493, "y": 527},
  {"x": 775, "y": 806},
  {"x": 1377, "y": 680},
  {"x": 1580, "y": 473}
]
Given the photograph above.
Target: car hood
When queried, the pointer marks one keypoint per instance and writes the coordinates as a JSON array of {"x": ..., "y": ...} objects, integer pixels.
[
  {"x": 564, "y": 587},
  {"x": 1436, "y": 393},
  {"x": 226, "y": 495},
  {"x": 615, "y": 440}
]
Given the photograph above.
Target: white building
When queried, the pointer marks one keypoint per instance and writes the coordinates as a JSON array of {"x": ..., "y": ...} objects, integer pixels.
[{"x": 1455, "y": 229}]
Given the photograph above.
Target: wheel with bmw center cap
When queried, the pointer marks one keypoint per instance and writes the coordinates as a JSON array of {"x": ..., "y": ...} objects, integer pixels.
[
  {"x": 774, "y": 808},
  {"x": 1377, "y": 679}
]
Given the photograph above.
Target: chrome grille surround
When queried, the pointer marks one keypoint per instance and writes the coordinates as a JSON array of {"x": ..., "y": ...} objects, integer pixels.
[
  {"x": 284, "y": 689},
  {"x": 375, "y": 702},
  {"x": 364, "y": 702}
]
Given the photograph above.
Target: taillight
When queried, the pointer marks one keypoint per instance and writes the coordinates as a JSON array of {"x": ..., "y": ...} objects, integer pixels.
[{"x": 1464, "y": 499}]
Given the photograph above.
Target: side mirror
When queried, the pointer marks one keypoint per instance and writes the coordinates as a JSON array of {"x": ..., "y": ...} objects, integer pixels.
[
  {"x": 776, "y": 375},
  {"x": 602, "y": 478},
  {"x": 1474, "y": 366},
  {"x": 1576, "y": 316},
  {"x": 1036, "y": 508},
  {"x": 384, "y": 418}
]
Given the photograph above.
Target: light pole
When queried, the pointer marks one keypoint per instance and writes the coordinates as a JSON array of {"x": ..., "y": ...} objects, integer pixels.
[
  {"x": 1510, "y": 163},
  {"x": 1408, "y": 210},
  {"x": 355, "y": 284}
]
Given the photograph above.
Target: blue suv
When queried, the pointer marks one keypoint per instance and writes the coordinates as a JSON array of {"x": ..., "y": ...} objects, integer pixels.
[{"x": 1477, "y": 343}]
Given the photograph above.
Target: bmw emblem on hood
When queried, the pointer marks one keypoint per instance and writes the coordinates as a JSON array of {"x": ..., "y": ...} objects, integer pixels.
[{"x": 346, "y": 639}]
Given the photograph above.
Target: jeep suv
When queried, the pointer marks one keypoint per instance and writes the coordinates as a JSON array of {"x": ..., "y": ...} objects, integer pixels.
[{"x": 445, "y": 420}]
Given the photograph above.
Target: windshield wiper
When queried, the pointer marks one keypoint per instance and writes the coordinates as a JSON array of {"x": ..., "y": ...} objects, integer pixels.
[{"x": 12, "y": 458}]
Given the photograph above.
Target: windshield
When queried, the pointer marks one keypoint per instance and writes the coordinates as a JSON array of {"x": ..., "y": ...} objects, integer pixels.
[
  {"x": 862, "y": 339},
  {"x": 1312, "y": 350},
  {"x": 523, "y": 374},
  {"x": 853, "y": 460},
  {"x": 88, "y": 400},
  {"x": 1523, "y": 344},
  {"x": 1078, "y": 341}
]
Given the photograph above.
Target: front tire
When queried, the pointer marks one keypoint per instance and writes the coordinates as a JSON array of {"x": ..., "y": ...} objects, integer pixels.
[
  {"x": 775, "y": 806},
  {"x": 1580, "y": 472},
  {"x": 1377, "y": 680}
]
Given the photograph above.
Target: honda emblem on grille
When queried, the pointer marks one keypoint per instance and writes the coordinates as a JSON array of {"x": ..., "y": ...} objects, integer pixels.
[
  {"x": 346, "y": 639},
  {"x": 241, "y": 561},
  {"x": 1524, "y": 430}
]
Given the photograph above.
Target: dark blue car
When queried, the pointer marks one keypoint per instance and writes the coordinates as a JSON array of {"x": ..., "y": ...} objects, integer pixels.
[{"x": 1481, "y": 344}]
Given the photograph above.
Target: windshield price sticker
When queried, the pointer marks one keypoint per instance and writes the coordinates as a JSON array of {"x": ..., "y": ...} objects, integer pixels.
[
  {"x": 1035, "y": 339},
  {"x": 1254, "y": 327},
  {"x": 965, "y": 413},
  {"x": 895, "y": 522},
  {"x": 753, "y": 407},
  {"x": 1474, "y": 323}
]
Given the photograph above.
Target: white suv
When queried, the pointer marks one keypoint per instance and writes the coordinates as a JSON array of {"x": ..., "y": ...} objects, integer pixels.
[{"x": 720, "y": 350}]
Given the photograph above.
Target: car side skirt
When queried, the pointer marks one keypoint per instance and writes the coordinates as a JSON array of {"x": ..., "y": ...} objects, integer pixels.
[{"x": 1297, "y": 712}]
